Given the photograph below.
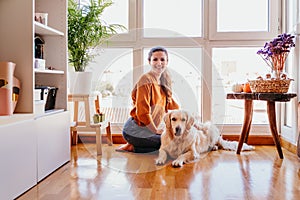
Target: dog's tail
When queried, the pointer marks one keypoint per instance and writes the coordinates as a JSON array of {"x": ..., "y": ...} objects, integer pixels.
[{"x": 232, "y": 145}]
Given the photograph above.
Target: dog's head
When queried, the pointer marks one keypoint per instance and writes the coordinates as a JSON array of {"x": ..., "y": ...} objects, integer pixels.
[{"x": 178, "y": 122}]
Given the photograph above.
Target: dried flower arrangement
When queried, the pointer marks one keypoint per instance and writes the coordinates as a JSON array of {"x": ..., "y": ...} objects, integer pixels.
[{"x": 276, "y": 52}]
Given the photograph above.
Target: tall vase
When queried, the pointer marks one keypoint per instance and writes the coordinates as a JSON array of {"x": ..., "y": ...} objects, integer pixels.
[
  {"x": 276, "y": 74},
  {"x": 6, "y": 87},
  {"x": 277, "y": 69}
]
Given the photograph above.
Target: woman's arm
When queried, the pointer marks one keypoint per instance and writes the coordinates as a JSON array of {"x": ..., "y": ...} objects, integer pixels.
[{"x": 143, "y": 106}]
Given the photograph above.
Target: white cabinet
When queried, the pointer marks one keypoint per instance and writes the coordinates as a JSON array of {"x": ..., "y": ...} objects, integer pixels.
[
  {"x": 18, "y": 155},
  {"x": 53, "y": 143},
  {"x": 30, "y": 150}
]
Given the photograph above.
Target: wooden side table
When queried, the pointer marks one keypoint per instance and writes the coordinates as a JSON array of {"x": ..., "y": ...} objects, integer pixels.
[
  {"x": 271, "y": 98},
  {"x": 88, "y": 125}
]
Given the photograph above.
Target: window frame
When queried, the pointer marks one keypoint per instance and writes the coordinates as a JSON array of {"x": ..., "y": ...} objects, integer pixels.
[
  {"x": 290, "y": 132},
  {"x": 274, "y": 25}
]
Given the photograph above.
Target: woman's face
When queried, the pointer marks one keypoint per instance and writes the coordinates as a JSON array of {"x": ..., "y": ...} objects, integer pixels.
[{"x": 158, "y": 62}]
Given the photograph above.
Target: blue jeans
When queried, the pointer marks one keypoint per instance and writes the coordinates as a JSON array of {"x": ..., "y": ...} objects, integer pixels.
[{"x": 142, "y": 139}]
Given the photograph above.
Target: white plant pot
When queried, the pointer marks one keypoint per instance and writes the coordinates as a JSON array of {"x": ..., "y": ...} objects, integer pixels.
[{"x": 80, "y": 82}]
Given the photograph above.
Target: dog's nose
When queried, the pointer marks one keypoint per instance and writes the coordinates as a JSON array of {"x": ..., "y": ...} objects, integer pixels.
[{"x": 177, "y": 130}]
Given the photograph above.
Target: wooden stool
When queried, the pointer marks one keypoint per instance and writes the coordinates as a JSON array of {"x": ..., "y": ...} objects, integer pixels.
[
  {"x": 73, "y": 133},
  {"x": 87, "y": 125}
]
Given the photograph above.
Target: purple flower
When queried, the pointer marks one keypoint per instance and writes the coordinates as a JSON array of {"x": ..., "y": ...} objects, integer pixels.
[{"x": 276, "y": 51}]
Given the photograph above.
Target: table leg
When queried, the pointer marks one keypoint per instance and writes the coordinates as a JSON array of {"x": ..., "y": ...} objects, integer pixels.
[
  {"x": 98, "y": 140},
  {"x": 246, "y": 124},
  {"x": 109, "y": 136},
  {"x": 272, "y": 123}
]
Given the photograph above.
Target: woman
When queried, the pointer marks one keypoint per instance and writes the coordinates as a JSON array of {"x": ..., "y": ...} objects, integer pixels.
[{"x": 152, "y": 98}]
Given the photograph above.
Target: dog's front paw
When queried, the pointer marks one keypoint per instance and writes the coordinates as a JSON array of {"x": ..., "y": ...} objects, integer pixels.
[
  {"x": 160, "y": 161},
  {"x": 177, "y": 163},
  {"x": 215, "y": 148},
  {"x": 162, "y": 157}
]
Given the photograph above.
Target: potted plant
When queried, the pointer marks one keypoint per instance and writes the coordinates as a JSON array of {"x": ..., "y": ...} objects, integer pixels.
[{"x": 86, "y": 31}]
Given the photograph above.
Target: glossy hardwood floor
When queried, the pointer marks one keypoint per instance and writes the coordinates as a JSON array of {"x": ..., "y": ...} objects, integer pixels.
[{"x": 218, "y": 175}]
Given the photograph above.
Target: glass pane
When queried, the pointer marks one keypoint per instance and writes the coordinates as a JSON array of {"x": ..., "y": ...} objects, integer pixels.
[
  {"x": 117, "y": 13},
  {"x": 242, "y": 15},
  {"x": 235, "y": 65},
  {"x": 292, "y": 16},
  {"x": 172, "y": 18},
  {"x": 185, "y": 68},
  {"x": 112, "y": 77},
  {"x": 291, "y": 71}
]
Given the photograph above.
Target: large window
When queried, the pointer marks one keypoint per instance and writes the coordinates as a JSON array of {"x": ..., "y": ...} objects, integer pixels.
[
  {"x": 172, "y": 18},
  {"x": 212, "y": 45}
]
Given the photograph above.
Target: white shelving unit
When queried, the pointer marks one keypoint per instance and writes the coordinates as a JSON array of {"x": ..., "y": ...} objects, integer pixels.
[{"x": 34, "y": 145}]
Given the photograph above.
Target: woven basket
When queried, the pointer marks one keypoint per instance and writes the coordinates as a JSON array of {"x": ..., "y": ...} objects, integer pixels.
[{"x": 270, "y": 86}]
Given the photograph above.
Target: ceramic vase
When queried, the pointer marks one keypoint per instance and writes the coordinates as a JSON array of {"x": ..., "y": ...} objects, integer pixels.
[
  {"x": 16, "y": 92},
  {"x": 6, "y": 87},
  {"x": 80, "y": 82}
]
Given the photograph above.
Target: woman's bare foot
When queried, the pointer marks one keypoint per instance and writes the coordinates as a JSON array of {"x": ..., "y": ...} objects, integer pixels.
[{"x": 125, "y": 147}]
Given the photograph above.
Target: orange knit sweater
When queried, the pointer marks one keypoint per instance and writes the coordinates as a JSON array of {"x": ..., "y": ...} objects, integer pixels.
[{"x": 150, "y": 102}]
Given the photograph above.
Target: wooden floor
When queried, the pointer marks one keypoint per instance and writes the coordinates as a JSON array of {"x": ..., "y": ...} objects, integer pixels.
[{"x": 217, "y": 175}]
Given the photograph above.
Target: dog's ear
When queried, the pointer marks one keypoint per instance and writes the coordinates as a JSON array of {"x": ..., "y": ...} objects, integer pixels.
[
  {"x": 167, "y": 120},
  {"x": 190, "y": 121}
]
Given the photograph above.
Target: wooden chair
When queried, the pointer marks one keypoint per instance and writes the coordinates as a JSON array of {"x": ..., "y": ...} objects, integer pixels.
[
  {"x": 73, "y": 133},
  {"x": 88, "y": 125}
]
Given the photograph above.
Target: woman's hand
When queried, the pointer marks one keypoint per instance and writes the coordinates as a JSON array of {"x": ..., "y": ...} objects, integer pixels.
[{"x": 159, "y": 131}]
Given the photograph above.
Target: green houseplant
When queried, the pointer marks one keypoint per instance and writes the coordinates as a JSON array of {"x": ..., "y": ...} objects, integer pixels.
[{"x": 86, "y": 31}]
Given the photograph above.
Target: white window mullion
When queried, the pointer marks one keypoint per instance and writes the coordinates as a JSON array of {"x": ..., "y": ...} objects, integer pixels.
[{"x": 207, "y": 84}]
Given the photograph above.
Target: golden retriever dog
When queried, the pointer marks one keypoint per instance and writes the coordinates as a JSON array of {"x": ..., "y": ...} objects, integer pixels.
[{"x": 184, "y": 139}]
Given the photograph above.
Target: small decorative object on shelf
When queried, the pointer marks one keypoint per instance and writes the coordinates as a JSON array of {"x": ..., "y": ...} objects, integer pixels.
[
  {"x": 98, "y": 117},
  {"x": 9, "y": 88},
  {"x": 274, "y": 54},
  {"x": 237, "y": 87},
  {"x": 41, "y": 18}
]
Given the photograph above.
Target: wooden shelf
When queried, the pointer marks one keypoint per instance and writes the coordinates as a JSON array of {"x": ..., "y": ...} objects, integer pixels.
[
  {"x": 46, "y": 30},
  {"x": 47, "y": 71}
]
